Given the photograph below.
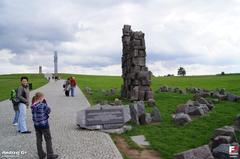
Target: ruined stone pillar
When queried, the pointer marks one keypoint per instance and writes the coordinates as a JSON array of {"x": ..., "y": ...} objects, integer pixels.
[{"x": 135, "y": 74}]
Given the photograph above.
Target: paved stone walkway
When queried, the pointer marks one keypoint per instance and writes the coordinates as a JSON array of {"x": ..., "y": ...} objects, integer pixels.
[{"x": 69, "y": 141}]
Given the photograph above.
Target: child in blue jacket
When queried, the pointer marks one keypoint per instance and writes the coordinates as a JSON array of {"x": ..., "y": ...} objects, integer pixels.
[{"x": 40, "y": 115}]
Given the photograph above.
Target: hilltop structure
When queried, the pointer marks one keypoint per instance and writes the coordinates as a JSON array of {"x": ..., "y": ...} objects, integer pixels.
[
  {"x": 55, "y": 64},
  {"x": 40, "y": 69}
]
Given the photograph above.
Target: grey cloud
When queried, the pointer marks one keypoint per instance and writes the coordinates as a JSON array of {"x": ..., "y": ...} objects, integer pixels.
[
  {"x": 176, "y": 32},
  {"x": 22, "y": 25}
]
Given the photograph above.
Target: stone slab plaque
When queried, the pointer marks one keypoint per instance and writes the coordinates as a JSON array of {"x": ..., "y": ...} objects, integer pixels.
[{"x": 104, "y": 116}]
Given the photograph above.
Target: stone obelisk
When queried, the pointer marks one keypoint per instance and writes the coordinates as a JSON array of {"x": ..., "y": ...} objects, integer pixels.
[
  {"x": 55, "y": 64},
  {"x": 40, "y": 69}
]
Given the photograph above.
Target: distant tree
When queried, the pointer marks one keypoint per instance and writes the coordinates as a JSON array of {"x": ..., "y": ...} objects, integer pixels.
[
  {"x": 169, "y": 75},
  {"x": 222, "y": 73},
  {"x": 181, "y": 71}
]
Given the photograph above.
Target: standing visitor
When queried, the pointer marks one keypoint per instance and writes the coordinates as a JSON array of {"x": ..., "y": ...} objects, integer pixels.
[
  {"x": 40, "y": 115},
  {"x": 67, "y": 87},
  {"x": 15, "y": 102},
  {"x": 23, "y": 96},
  {"x": 73, "y": 84}
]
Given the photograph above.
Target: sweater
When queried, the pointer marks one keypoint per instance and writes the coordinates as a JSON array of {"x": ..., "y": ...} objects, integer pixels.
[{"x": 73, "y": 83}]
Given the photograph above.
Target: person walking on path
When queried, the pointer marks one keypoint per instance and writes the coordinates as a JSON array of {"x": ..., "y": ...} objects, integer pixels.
[
  {"x": 23, "y": 96},
  {"x": 73, "y": 84},
  {"x": 40, "y": 115},
  {"x": 67, "y": 87}
]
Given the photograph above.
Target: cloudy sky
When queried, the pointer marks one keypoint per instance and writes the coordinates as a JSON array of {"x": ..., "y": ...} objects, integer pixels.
[{"x": 202, "y": 36}]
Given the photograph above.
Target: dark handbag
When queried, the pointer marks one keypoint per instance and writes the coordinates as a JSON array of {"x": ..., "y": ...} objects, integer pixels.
[{"x": 15, "y": 101}]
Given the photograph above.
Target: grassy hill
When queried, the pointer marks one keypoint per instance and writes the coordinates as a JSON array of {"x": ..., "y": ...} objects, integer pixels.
[
  {"x": 12, "y": 81},
  {"x": 166, "y": 137}
]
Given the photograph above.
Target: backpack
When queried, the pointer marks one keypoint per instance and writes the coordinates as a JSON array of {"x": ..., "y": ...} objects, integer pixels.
[{"x": 13, "y": 97}]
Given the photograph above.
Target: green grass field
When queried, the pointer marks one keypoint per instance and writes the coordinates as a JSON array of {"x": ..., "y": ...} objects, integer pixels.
[
  {"x": 166, "y": 137},
  {"x": 12, "y": 81}
]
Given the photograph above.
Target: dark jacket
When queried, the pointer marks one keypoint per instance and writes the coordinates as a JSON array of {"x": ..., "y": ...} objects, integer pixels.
[{"x": 23, "y": 94}]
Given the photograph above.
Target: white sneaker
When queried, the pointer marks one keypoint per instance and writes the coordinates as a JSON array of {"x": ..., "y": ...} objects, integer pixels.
[{"x": 15, "y": 124}]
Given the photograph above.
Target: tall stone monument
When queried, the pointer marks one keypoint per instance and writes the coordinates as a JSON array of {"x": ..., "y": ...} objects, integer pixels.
[
  {"x": 40, "y": 69},
  {"x": 135, "y": 74},
  {"x": 55, "y": 64}
]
